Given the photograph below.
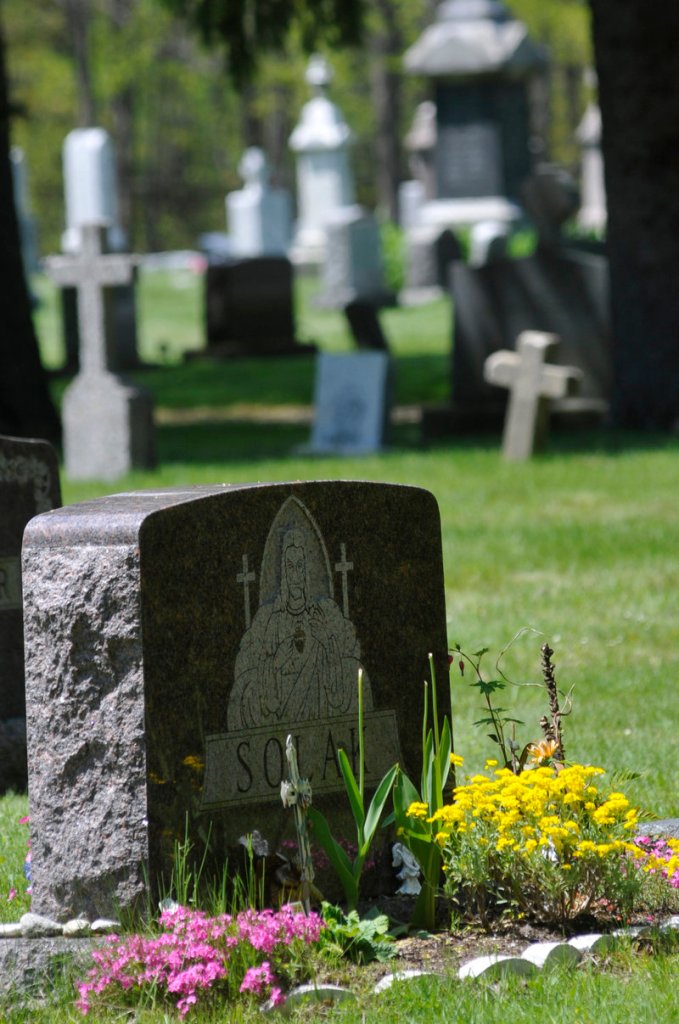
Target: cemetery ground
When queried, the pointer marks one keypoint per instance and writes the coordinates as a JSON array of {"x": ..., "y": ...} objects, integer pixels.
[{"x": 579, "y": 547}]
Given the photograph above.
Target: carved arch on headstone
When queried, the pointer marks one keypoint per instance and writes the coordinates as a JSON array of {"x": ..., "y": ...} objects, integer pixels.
[{"x": 294, "y": 515}]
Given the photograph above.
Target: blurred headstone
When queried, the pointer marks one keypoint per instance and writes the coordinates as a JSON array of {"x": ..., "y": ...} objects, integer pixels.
[
  {"x": 27, "y": 231},
  {"x": 592, "y": 214},
  {"x": 351, "y": 403},
  {"x": 107, "y": 421},
  {"x": 249, "y": 308},
  {"x": 29, "y": 485},
  {"x": 532, "y": 385},
  {"x": 353, "y": 268},
  {"x": 90, "y": 195},
  {"x": 259, "y": 216},
  {"x": 562, "y": 289},
  {"x": 480, "y": 60},
  {"x": 325, "y": 184}
]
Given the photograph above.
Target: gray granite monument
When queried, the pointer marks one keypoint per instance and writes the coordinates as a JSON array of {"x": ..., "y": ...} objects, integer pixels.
[
  {"x": 353, "y": 268},
  {"x": 29, "y": 484},
  {"x": 532, "y": 385},
  {"x": 107, "y": 421},
  {"x": 480, "y": 60},
  {"x": 175, "y": 639}
]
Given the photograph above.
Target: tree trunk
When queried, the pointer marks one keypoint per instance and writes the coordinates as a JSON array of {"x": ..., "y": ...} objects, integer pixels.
[
  {"x": 386, "y": 48},
  {"x": 26, "y": 409},
  {"x": 119, "y": 14},
  {"x": 636, "y": 45},
  {"x": 77, "y": 14}
]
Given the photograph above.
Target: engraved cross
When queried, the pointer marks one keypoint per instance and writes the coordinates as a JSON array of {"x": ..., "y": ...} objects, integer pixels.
[
  {"x": 246, "y": 577},
  {"x": 344, "y": 568}
]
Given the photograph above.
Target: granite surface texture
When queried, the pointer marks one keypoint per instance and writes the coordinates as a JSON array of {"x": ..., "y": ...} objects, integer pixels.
[{"x": 177, "y": 637}]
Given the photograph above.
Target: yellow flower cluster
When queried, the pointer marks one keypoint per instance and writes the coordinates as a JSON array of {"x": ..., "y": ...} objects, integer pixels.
[{"x": 559, "y": 814}]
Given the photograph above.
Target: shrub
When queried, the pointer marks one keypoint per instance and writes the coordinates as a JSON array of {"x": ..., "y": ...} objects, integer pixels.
[{"x": 545, "y": 842}]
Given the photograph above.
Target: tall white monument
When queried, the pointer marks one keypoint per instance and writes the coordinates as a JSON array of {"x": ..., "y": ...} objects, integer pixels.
[
  {"x": 90, "y": 187},
  {"x": 321, "y": 141},
  {"x": 91, "y": 200}
]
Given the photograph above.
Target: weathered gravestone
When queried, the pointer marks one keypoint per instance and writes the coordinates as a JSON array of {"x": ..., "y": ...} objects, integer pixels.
[
  {"x": 533, "y": 384},
  {"x": 29, "y": 484},
  {"x": 259, "y": 216},
  {"x": 174, "y": 640},
  {"x": 353, "y": 267},
  {"x": 351, "y": 403},
  {"x": 249, "y": 308},
  {"x": 108, "y": 422}
]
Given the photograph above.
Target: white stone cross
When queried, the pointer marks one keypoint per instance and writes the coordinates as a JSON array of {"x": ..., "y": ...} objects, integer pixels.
[
  {"x": 532, "y": 385},
  {"x": 90, "y": 271}
]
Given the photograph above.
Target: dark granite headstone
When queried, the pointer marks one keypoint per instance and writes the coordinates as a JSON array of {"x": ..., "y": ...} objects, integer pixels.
[
  {"x": 29, "y": 484},
  {"x": 559, "y": 290},
  {"x": 176, "y": 638},
  {"x": 249, "y": 308},
  {"x": 430, "y": 251}
]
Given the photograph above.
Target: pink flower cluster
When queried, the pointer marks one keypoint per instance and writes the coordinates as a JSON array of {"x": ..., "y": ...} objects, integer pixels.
[
  {"x": 196, "y": 952},
  {"x": 662, "y": 856}
]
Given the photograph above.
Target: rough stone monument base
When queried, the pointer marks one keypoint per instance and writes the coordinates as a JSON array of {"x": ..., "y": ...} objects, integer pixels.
[
  {"x": 31, "y": 966},
  {"x": 108, "y": 428}
]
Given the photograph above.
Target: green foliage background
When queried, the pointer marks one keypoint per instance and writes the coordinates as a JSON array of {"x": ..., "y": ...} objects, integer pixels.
[{"x": 188, "y": 118}]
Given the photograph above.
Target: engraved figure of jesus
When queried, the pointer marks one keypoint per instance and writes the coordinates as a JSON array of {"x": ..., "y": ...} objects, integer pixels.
[{"x": 299, "y": 659}]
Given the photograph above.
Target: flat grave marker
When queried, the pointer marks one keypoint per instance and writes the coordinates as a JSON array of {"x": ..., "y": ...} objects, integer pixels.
[{"x": 351, "y": 403}]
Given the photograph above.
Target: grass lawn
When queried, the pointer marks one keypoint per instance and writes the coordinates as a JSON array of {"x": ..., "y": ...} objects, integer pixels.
[{"x": 580, "y": 546}]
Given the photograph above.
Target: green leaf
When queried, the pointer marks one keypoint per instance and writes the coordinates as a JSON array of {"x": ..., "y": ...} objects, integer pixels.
[
  {"x": 489, "y": 686},
  {"x": 404, "y": 795},
  {"x": 479, "y": 654},
  {"x": 377, "y": 803},
  {"x": 445, "y": 750},
  {"x": 353, "y": 793}
]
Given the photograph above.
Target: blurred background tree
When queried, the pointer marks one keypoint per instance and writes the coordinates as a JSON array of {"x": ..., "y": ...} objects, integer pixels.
[{"x": 180, "y": 121}]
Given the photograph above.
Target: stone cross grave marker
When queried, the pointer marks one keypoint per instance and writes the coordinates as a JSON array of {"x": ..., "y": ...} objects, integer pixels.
[
  {"x": 90, "y": 271},
  {"x": 351, "y": 403},
  {"x": 175, "y": 640},
  {"x": 108, "y": 423},
  {"x": 29, "y": 484},
  {"x": 532, "y": 385}
]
